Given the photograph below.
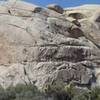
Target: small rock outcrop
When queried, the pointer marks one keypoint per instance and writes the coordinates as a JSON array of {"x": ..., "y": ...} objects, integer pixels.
[
  {"x": 56, "y": 8},
  {"x": 40, "y": 45}
]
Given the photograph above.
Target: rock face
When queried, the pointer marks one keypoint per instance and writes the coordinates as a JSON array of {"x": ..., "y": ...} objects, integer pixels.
[{"x": 41, "y": 45}]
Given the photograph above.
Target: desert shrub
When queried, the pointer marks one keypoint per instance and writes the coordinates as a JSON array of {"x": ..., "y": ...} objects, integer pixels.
[
  {"x": 60, "y": 91},
  {"x": 21, "y": 92},
  {"x": 57, "y": 91},
  {"x": 6, "y": 95},
  {"x": 95, "y": 93},
  {"x": 92, "y": 94},
  {"x": 83, "y": 95}
]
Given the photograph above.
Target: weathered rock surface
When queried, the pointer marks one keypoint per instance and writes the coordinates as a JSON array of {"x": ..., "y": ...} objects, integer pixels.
[
  {"x": 40, "y": 45},
  {"x": 56, "y": 8}
]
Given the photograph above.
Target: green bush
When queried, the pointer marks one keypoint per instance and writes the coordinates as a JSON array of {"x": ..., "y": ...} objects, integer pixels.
[
  {"x": 21, "y": 92},
  {"x": 95, "y": 93},
  {"x": 62, "y": 91},
  {"x": 57, "y": 91}
]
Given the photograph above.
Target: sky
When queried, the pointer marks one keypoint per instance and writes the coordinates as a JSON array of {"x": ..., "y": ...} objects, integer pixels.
[{"x": 64, "y": 3}]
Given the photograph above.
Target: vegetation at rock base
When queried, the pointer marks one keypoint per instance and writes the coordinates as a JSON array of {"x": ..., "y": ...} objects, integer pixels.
[
  {"x": 57, "y": 91},
  {"x": 63, "y": 91},
  {"x": 21, "y": 92}
]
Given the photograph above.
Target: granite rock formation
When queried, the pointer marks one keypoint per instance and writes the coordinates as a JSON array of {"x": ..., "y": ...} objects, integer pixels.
[{"x": 40, "y": 45}]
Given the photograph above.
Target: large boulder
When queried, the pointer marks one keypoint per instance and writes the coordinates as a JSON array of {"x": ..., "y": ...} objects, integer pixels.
[
  {"x": 56, "y": 8},
  {"x": 83, "y": 11},
  {"x": 39, "y": 45}
]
